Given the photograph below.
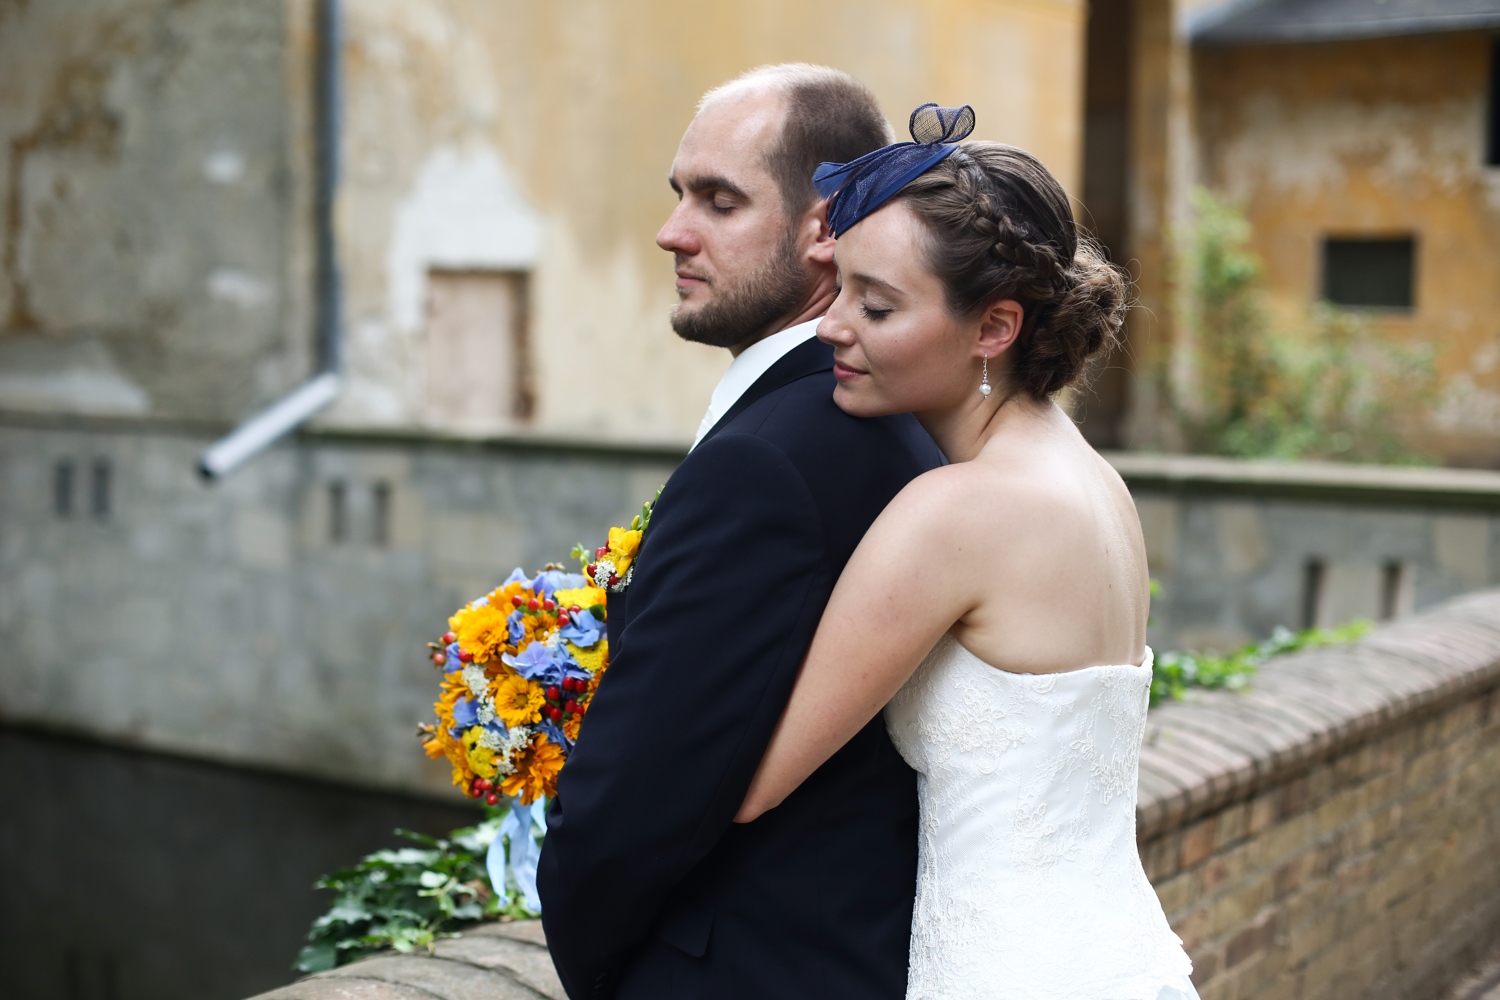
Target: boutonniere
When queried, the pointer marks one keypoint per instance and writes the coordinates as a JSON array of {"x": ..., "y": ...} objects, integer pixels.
[{"x": 612, "y": 565}]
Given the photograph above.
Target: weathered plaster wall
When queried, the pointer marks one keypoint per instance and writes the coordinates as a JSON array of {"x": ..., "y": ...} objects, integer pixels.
[
  {"x": 153, "y": 246},
  {"x": 527, "y": 135},
  {"x": 155, "y": 159},
  {"x": 1372, "y": 138}
]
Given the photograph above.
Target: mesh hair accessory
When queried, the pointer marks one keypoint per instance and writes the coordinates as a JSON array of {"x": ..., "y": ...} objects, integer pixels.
[{"x": 859, "y": 187}]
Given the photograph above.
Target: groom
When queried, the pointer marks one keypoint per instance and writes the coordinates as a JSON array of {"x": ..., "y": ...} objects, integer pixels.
[{"x": 650, "y": 891}]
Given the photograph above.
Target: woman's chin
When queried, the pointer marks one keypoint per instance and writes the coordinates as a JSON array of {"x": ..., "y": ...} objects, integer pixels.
[{"x": 852, "y": 401}]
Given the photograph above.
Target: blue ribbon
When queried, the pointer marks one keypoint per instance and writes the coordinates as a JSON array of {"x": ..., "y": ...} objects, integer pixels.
[{"x": 523, "y": 855}]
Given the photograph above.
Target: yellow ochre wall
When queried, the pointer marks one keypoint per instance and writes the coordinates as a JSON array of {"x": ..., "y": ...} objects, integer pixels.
[
  {"x": 578, "y": 105},
  {"x": 1379, "y": 137}
]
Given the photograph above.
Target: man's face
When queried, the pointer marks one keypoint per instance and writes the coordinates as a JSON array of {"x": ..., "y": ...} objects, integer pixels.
[{"x": 739, "y": 266}]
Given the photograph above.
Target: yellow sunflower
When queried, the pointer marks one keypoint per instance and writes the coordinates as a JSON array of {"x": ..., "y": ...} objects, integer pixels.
[
  {"x": 518, "y": 702},
  {"x": 570, "y": 725},
  {"x": 536, "y": 771},
  {"x": 592, "y": 660},
  {"x": 481, "y": 758},
  {"x": 582, "y": 597},
  {"x": 481, "y": 631}
]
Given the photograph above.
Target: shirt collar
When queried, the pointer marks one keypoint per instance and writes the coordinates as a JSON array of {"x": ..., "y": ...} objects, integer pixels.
[{"x": 753, "y": 362}]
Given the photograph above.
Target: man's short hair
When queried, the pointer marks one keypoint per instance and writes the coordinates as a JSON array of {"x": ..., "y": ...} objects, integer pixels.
[{"x": 831, "y": 118}]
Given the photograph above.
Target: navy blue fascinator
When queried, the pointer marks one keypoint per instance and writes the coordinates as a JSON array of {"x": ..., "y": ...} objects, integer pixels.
[{"x": 859, "y": 187}]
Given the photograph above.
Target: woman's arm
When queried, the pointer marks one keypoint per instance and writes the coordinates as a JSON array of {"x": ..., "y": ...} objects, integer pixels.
[{"x": 901, "y": 590}]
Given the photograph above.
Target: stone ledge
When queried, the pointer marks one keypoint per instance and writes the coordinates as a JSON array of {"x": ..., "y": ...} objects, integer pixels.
[
  {"x": 1219, "y": 747},
  {"x": 506, "y": 961},
  {"x": 1388, "y": 485}
]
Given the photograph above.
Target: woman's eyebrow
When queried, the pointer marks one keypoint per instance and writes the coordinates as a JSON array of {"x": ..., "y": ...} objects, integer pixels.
[{"x": 873, "y": 282}]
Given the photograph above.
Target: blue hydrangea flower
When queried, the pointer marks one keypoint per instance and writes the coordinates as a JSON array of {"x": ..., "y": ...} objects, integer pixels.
[
  {"x": 465, "y": 713},
  {"x": 517, "y": 575},
  {"x": 515, "y": 627},
  {"x": 537, "y": 662},
  {"x": 553, "y": 732},
  {"x": 453, "y": 663},
  {"x": 583, "y": 630},
  {"x": 553, "y": 580}
]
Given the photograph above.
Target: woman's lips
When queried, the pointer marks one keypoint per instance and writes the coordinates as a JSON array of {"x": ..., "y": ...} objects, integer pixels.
[{"x": 845, "y": 373}]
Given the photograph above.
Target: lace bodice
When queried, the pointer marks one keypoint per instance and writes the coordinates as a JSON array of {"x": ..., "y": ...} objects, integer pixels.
[{"x": 1029, "y": 881}]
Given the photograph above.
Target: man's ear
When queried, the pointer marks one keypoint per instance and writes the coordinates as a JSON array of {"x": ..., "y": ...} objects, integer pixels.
[
  {"x": 815, "y": 226},
  {"x": 999, "y": 327}
]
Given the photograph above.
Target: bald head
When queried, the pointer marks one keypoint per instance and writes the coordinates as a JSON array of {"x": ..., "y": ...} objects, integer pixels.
[{"x": 826, "y": 116}]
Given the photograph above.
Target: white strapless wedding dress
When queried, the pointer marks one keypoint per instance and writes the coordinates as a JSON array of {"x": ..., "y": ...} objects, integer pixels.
[{"x": 1029, "y": 884}]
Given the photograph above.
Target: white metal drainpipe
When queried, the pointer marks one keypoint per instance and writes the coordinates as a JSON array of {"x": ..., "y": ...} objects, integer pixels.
[{"x": 293, "y": 410}]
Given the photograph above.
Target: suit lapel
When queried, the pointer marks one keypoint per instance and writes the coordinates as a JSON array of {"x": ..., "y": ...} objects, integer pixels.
[{"x": 807, "y": 358}]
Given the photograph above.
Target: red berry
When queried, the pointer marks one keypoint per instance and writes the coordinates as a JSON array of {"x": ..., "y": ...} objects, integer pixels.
[
  {"x": 549, "y": 604},
  {"x": 601, "y": 551},
  {"x": 564, "y": 620},
  {"x": 448, "y": 637},
  {"x": 554, "y": 713},
  {"x": 591, "y": 569},
  {"x": 553, "y": 694},
  {"x": 491, "y": 799},
  {"x": 533, "y": 604},
  {"x": 516, "y": 600},
  {"x": 613, "y": 580},
  {"x": 440, "y": 658},
  {"x": 485, "y": 784},
  {"x": 574, "y": 609},
  {"x": 571, "y": 707},
  {"x": 464, "y": 656}
]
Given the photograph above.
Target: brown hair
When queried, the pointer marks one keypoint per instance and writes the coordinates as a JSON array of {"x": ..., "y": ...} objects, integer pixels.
[
  {"x": 999, "y": 226},
  {"x": 831, "y": 118}
]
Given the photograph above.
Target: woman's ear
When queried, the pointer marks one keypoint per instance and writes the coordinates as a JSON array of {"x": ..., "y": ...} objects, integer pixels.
[{"x": 999, "y": 327}]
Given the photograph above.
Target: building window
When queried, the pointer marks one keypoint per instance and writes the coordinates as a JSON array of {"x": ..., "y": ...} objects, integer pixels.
[
  {"x": 1395, "y": 590},
  {"x": 1492, "y": 144},
  {"x": 381, "y": 530},
  {"x": 1370, "y": 273},
  {"x": 338, "y": 512},
  {"x": 478, "y": 349},
  {"x": 99, "y": 492},
  {"x": 1314, "y": 587},
  {"x": 62, "y": 488}
]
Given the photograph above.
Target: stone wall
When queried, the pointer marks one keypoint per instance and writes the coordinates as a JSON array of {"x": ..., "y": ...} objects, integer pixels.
[
  {"x": 1240, "y": 548},
  {"x": 277, "y": 619},
  {"x": 1330, "y": 833}
]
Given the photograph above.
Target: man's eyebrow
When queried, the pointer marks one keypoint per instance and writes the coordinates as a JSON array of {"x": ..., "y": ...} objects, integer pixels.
[{"x": 710, "y": 182}]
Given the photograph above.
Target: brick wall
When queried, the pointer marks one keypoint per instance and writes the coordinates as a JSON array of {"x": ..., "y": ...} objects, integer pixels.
[{"x": 1335, "y": 831}]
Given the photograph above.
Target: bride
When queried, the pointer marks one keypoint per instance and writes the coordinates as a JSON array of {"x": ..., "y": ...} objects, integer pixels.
[{"x": 996, "y": 611}]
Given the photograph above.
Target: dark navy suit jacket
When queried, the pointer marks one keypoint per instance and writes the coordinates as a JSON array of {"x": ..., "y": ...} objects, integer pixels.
[{"x": 649, "y": 890}]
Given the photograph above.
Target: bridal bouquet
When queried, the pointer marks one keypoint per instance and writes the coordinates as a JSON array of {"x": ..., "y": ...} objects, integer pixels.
[{"x": 519, "y": 668}]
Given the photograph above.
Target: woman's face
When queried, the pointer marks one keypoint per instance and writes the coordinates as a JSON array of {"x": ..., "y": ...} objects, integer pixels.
[{"x": 897, "y": 349}]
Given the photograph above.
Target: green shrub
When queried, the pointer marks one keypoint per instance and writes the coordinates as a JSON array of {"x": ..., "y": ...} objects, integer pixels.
[
  {"x": 1173, "y": 673},
  {"x": 1333, "y": 389},
  {"x": 406, "y": 898}
]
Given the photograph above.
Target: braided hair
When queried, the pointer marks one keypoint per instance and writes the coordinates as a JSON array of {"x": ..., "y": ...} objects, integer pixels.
[{"x": 999, "y": 226}]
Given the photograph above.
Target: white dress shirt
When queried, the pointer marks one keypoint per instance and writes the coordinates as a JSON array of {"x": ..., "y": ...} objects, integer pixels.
[{"x": 753, "y": 362}]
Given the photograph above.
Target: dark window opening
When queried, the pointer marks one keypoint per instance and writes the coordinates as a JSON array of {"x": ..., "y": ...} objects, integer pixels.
[
  {"x": 338, "y": 512},
  {"x": 382, "y": 528},
  {"x": 1395, "y": 590},
  {"x": 99, "y": 493},
  {"x": 1377, "y": 274},
  {"x": 62, "y": 488},
  {"x": 1314, "y": 574},
  {"x": 1492, "y": 145}
]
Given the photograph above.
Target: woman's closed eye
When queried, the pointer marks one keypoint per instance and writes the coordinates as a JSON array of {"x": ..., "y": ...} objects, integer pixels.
[{"x": 875, "y": 313}]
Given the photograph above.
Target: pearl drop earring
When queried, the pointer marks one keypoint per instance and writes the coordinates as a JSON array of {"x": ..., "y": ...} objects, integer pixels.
[{"x": 984, "y": 380}]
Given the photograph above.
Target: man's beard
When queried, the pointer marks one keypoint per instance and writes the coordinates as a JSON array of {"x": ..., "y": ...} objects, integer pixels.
[{"x": 741, "y": 310}]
